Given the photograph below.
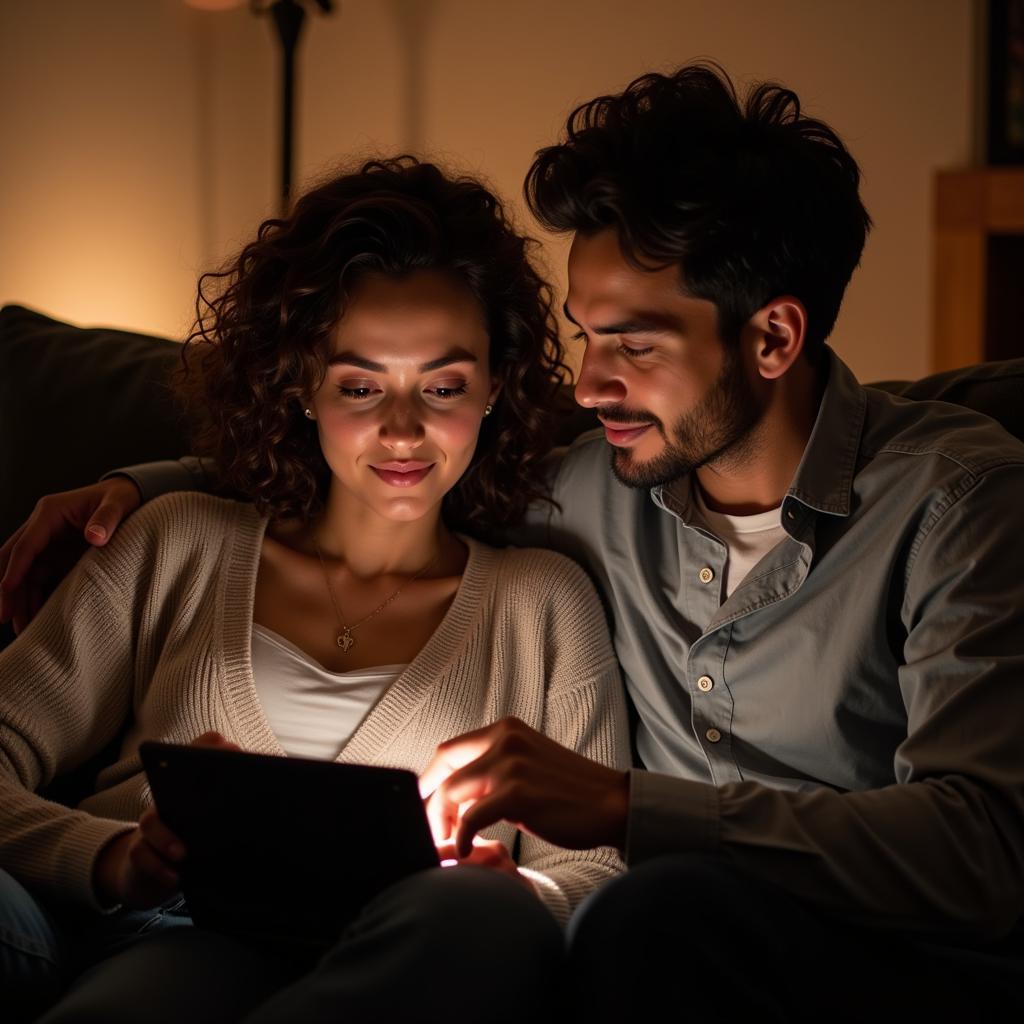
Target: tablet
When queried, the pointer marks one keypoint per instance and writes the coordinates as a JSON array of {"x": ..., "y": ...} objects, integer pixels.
[{"x": 286, "y": 850}]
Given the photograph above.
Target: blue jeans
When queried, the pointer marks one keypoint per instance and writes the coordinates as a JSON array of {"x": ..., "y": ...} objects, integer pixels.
[
  {"x": 42, "y": 949},
  {"x": 436, "y": 946},
  {"x": 693, "y": 933}
]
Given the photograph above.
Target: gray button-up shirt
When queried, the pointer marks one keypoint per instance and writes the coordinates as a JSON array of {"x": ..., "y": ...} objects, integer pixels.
[{"x": 850, "y": 722}]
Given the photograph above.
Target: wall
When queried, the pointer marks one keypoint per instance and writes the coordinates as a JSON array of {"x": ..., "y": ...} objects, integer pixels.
[
  {"x": 141, "y": 144},
  {"x": 99, "y": 168}
]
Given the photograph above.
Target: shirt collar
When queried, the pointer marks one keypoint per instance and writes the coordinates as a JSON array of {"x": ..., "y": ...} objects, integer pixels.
[{"x": 824, "y": 478}]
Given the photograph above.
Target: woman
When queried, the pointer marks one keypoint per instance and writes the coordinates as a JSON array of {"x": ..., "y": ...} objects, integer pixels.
[{"x": 371, "y": 376}]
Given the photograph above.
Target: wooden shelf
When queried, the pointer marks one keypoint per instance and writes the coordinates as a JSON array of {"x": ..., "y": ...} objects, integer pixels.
[{"x": 979, "y": 266}]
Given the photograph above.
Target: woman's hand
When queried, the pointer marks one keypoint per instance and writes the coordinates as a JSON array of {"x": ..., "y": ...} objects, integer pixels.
[
  {"x": 140, "y": 869},
  {"x": 44, "y": 549}
]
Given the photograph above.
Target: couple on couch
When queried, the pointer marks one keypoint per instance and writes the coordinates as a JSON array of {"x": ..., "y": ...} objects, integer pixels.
[{"x": 814, "y": 588}]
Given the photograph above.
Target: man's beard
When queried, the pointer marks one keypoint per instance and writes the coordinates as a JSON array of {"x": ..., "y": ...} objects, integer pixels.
[{"x": 719, "y": 429}]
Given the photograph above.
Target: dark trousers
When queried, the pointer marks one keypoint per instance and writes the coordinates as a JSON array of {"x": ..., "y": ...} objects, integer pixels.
[
  {"x": 690, "y": 938},
  {"x": 463, "y": 944}
]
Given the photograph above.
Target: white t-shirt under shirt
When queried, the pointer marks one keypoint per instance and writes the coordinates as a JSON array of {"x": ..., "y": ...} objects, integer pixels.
[
  {"x": 748, "y": 538},
  {"x": 312, "y": 712}
]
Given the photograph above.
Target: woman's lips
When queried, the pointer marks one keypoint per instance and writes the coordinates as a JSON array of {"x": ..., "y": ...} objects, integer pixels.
[
  {"x": 402, "y": 474},
  {"x": 624, "y": 434}
]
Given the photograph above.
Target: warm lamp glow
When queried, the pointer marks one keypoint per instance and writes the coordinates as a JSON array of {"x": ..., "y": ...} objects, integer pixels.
[{"x": 214, "y": 5}]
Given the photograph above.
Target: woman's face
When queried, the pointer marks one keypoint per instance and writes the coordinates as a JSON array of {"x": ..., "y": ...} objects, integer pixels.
[{"x": 407, "y": 382}]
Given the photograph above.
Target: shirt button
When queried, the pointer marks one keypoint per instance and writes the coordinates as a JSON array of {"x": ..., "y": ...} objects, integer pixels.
[
  {"x": 706, "y": 574},
  {"x": 705, "y": 683},
  {"x": 713, "y": 735}
]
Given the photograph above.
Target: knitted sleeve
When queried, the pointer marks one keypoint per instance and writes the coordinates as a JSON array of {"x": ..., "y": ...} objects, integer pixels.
[
  {"x": 584, "y": 711},
  {"x": 65, "y": 692}
]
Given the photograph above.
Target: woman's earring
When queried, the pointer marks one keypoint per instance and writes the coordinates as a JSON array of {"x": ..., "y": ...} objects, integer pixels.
[
  {"x": 488, "y": 409},
  {"x": 309, "y": 415}
]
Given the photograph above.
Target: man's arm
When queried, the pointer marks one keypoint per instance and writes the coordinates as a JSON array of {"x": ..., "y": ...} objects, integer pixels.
[
  {"x": 44, "y": 549},
  {"x": 941, "y": 850},
  {"x": 155, "y": 478}
]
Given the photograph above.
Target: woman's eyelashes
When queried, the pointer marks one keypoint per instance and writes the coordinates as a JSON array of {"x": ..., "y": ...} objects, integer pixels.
[
  {"x": 362, "y": 390},
  {"x": 357, "y": 389},
  {"x": 448, "y": 390}
]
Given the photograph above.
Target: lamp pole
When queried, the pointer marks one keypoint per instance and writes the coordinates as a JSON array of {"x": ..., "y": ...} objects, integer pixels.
[
  {"x": 288, "y": 16},
  {"x": 288, "y": 19}
]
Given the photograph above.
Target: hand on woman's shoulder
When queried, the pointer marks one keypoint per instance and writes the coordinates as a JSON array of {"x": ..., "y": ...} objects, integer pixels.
[{"x": 180, "y": 524}]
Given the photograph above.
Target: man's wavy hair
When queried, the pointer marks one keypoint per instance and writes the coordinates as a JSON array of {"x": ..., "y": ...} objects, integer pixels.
[
  {"x": 264, "y": 324},
  {"x": 751, "y": 201}
]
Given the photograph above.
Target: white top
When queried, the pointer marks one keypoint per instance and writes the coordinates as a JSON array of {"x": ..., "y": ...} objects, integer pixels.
[
  {"x": 748, "y": 538},
  {"x": 312, "y": 712}
]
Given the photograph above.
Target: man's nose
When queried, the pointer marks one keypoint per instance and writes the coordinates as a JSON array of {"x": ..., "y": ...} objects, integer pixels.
[{"x": 597, "y": 384}]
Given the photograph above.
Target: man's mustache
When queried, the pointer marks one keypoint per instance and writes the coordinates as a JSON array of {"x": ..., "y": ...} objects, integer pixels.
[{"x": 620, "y": 414}]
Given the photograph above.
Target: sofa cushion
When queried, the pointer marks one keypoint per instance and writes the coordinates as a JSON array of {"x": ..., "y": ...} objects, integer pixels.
[
  {"x": 995, "y": 389},
  {"x": 75, "y": 402}
]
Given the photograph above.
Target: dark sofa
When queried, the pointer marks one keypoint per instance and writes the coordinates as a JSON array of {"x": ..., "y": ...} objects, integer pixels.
[{"x": 76, "y": 402}]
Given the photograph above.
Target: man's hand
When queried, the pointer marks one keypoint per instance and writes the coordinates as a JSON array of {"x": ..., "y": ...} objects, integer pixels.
[
  {"x": 487, "y": 853},
  {"x": 508, "y": 771},
  {"x": 141, "y": 869},
  {"x": 41, "y": 552}
]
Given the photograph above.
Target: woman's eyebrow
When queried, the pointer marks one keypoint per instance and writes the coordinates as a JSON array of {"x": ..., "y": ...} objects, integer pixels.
[
  {"x": 456, "y": 355},
  {"x": 351, "y": 359}
]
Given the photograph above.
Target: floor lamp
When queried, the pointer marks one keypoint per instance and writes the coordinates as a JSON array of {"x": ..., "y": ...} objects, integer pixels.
[{"x": 288, "y": 17}]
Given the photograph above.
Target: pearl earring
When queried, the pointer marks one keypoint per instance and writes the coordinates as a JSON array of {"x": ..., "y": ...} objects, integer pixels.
[
  {"x": 309, "y": 415},
  {"x": 488, "y": 409}
]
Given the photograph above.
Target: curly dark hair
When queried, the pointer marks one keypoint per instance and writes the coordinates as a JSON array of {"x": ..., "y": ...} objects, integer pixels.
[
  {"x": 262, "y": 336},
  {"x": 750, "y": 201}
]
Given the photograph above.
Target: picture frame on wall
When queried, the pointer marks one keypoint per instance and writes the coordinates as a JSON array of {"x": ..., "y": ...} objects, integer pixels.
[{"x": 1006, "y": 82}]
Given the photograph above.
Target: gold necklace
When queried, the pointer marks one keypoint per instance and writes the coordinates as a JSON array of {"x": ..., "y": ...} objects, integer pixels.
[{"x": 345, "y": 640}]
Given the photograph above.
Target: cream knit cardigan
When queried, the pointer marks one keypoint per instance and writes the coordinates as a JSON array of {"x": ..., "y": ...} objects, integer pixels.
[{"x": 154, "y": 631}]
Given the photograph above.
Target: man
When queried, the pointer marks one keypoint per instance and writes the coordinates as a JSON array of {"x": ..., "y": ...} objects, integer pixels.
[{"x": 815, "y": 590}]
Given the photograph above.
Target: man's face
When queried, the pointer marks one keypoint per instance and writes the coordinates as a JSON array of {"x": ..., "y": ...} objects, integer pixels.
[{"x": 670, "y": 394}]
